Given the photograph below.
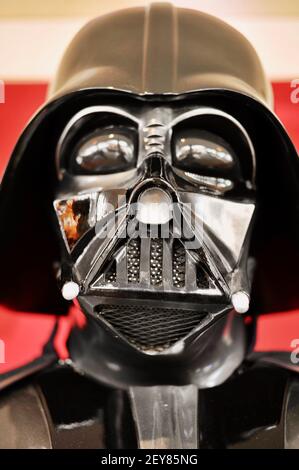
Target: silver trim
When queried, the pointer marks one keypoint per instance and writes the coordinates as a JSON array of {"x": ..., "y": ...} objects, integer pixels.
[{"x": 165, "y": 416}]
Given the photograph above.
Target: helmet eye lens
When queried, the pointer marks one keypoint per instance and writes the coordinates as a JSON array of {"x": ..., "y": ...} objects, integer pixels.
[
  {"x": 197, "y": 150},
  {"x": 215, "y": 146},
  {"x": 105, "y": 151},
  {"x": 98, "y": 143}
]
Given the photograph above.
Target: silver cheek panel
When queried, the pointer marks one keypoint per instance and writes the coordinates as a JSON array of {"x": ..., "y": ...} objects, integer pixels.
[{"x": 221, "y": 227}]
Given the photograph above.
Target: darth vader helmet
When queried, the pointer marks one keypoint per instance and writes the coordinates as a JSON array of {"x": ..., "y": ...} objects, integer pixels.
[{"x": 164, "y": 188}]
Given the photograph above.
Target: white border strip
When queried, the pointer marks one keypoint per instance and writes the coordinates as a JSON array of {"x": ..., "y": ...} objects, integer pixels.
[{"x": 31, "y": 49}]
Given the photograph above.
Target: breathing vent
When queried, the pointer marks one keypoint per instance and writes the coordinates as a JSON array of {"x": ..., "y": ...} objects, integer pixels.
[{"x": 150, "y": 328}]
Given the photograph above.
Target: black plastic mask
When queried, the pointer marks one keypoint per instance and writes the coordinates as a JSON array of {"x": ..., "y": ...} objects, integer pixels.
[{"x": 155, "y": 205}]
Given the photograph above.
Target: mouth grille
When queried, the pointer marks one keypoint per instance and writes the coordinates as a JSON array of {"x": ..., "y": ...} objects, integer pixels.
[
  {"x": 150, "y": 328},
  {"x": 156, "y": 262},
  {"x": 178, "y": 265},
  {"x": 133, "y": 260}
]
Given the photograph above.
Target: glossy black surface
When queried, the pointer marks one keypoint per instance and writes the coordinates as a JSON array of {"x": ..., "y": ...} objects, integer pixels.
[
  {"x": 245, "y": 412},
  {"x": 248, "y": 411},
  {"x": 85, "y": 414}
]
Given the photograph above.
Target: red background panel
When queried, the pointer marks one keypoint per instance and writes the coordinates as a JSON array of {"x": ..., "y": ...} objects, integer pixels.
[
  {"x": 25, "y": 334},
  {"x": 21, "y": 102}
]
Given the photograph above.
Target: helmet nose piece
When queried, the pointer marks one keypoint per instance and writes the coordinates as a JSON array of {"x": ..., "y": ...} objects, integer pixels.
[{"x": 154, "y": 206}]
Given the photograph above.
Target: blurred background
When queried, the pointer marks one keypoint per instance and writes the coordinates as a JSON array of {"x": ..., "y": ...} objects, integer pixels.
[{"x": 34, "y": 34}]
